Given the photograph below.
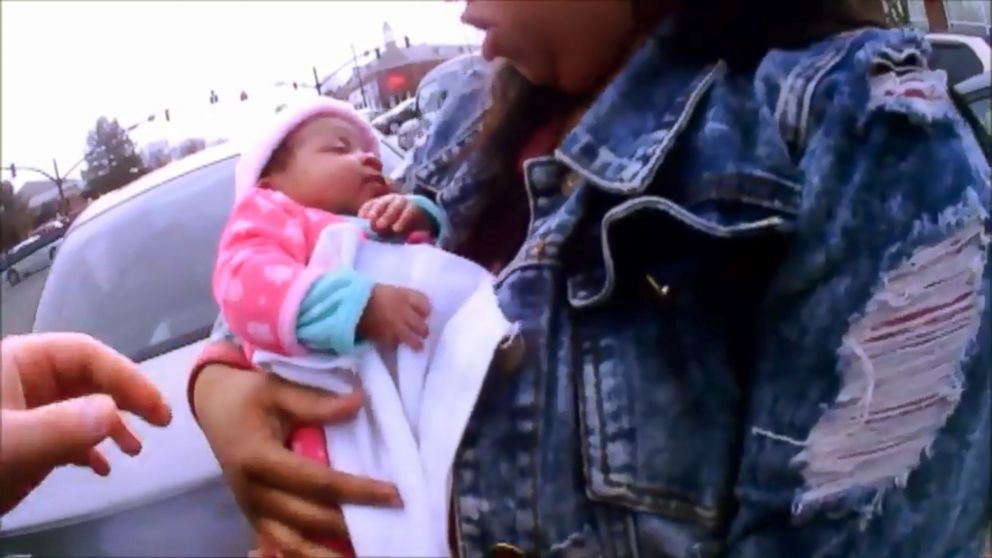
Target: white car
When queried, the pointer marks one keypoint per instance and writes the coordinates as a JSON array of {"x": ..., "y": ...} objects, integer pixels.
[
  {"x": 134, "y": 271},
  {"x": 977, "y": 92},
  {"x": 32, "y": 255},
  {"x": 413, "y": 132},
  {"x": 390, "y": 121},
  {"x": 961, "y": 56}
]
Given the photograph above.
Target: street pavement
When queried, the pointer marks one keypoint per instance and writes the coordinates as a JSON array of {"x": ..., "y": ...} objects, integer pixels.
[{"x": 18, "y": 303}]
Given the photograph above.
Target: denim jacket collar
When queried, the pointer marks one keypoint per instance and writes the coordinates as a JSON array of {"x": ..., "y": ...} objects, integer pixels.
[{"x": 623, "y": 138}]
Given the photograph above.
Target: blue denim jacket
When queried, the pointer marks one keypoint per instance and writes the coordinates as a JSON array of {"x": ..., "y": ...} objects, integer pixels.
[{"x": 755, "y": 311}]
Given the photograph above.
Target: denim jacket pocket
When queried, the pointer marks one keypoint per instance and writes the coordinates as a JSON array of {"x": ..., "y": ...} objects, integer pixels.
[
  {"x": 657, "y": 412},
  {"x": 660, "y": 369}
]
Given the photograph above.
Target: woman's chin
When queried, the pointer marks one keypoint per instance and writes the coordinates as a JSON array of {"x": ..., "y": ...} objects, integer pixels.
[{"x": 535, "y": 76}]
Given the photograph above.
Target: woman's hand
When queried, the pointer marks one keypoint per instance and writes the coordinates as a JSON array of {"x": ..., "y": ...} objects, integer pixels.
[
  {"x": 61, "y": 394},
  {"x": 287, "y": 499}
]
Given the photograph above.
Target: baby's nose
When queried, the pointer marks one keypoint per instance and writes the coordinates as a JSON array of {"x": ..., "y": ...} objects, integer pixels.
[{"x": 371, "y": 161}]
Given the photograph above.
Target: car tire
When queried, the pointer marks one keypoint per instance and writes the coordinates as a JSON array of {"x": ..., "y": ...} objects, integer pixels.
[{"x": 13, "y": 277}]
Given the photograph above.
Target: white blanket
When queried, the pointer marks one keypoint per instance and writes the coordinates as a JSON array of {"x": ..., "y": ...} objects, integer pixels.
[{"x": 418, "y": 402}]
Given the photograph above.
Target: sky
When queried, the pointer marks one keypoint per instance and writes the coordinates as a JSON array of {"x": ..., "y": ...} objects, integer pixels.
[{"x": 65, "y": 64}]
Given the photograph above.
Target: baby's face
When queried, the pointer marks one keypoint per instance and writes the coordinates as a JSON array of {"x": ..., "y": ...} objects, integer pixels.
[{"x": 328, "y": 169}]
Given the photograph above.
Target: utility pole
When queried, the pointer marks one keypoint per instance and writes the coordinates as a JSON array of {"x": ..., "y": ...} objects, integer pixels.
[
  {"x": 59, "y": 179},
  {"x": 358, "y": 69},
  {"x": 58, "y": 184},
  {"x": 316, "y": 81}
]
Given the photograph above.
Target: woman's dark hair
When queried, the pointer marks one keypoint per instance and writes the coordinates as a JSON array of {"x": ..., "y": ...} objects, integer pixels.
[{"x": 738, "y": 31}]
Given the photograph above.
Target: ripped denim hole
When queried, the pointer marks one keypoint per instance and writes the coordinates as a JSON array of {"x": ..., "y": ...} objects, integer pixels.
[{"x": 900, "y": 373}]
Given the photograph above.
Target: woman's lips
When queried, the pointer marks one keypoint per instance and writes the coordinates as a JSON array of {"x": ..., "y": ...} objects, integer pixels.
[
  {"x": 489, "y": 47},
  {"x": 489, "y": 51}
]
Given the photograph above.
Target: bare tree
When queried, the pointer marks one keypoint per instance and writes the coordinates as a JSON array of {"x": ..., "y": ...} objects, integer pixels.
[
  {"x": 156, "y": 157},
  {"x": 15, "y": 219},
  {"x": 189, "y": 147},
  {"x": 112, "y": 160}
]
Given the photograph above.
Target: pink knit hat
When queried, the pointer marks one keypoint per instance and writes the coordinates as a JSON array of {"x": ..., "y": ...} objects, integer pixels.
[{"x": 259, "y": 146}]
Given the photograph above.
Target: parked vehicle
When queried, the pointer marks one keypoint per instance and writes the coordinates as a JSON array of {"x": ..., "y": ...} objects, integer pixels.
[
  {"x": 977, "y": 92},
  {"x": 390, "y": 121},
  {"x": 368, "y": 114},
  {"x": 134, "y": 271},
  {"x": 961, "y": 56},
  {"x": 33, "y": 254},
  {"x": 413, "y": 131}
]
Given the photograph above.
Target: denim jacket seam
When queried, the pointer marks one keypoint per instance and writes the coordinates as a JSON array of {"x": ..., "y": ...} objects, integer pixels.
[
  {"x": 800, "y": 86},
  {"x": 449, "y": 148},
  {"x": 673, "y": 209},
  {"x": 665, "y": 501},
  {"x": 649, "y": 169}
]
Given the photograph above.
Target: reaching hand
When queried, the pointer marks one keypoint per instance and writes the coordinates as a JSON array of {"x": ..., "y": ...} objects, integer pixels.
[{"x": 61, "y": 395}]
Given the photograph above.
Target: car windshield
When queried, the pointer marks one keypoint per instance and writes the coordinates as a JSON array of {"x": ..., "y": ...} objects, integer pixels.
[{"x": 138, "y": 275}]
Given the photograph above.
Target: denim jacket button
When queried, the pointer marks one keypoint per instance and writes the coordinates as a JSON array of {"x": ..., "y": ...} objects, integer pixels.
[
  {"x": 539, "y": 249},
  {"x": 662, "y": 290},
  {"x": 510, "y": 354},
  {"x": 570, "y": 183},
  {"x": 505, "y": 550}
]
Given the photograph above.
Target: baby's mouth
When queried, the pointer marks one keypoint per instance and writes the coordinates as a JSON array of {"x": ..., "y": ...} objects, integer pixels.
[{"x": 377, "y": 183}]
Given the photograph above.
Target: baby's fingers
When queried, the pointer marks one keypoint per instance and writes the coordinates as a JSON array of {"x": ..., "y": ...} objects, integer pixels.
[
  {"x": 418, "y": 326},
  {"x": 419, "y": 304},
  {"x": 371, "y": 209},
  {"x": 406, "y": 219},
  {"x": 411, "y": 339}
]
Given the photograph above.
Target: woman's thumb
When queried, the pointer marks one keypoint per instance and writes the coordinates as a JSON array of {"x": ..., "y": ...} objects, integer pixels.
[{"x": 56, "y": 434}]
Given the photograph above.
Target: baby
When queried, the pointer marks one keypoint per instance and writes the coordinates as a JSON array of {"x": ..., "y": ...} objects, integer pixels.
[{"x": 317, "y": 166}]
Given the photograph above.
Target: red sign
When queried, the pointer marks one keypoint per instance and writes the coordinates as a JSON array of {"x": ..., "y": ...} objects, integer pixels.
[{"x": 395, "y": 82}]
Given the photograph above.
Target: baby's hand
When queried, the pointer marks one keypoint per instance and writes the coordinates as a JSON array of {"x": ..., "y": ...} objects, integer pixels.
[
  {"x": 395, "y": 315},
  {"x": 395, "y": 215}
]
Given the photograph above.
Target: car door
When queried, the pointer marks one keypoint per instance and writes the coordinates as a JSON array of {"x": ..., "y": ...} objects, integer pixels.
[{"x": 137, "y": 277}]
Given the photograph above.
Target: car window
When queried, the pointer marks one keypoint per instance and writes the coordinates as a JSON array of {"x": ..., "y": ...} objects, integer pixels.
[
  {"x": 24, "y": 249},
  {"x": 958, "y": 60},
  {"x": 983, "y": 109},
  {"x": 138, "y": 275}
]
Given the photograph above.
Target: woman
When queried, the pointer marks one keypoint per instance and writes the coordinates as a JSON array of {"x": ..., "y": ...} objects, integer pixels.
[{"x": 746, "y": 242}]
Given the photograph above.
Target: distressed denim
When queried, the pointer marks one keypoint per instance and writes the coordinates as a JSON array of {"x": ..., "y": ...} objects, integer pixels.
[{"x": 755, "y": 314}]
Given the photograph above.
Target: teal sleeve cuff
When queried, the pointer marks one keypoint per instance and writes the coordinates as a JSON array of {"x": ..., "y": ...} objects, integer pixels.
[
  {"x": 435, "y": 212},
  {"x": 329, "y": 313}
]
